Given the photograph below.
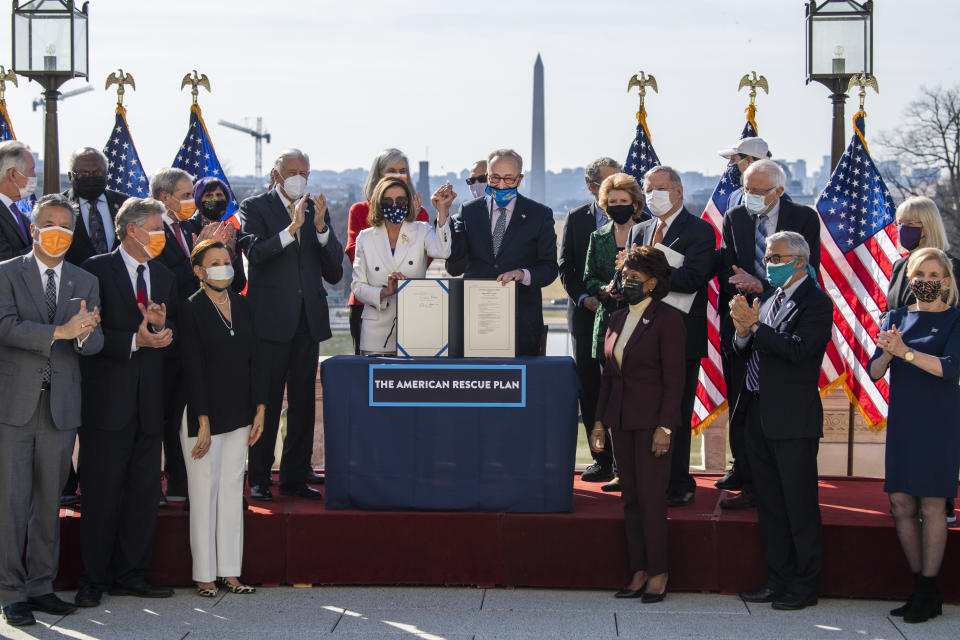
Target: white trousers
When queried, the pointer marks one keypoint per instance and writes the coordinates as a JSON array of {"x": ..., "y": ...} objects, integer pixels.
[{"x": 215, "y": 488}]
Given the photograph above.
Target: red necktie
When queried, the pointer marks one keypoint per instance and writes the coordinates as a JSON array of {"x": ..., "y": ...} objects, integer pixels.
[
  {"x": 141, "y": 286},
  {"x": 176, "y": 232}
]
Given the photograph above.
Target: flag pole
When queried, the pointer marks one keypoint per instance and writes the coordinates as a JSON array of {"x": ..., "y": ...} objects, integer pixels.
[{"x": 863, "y": 81}]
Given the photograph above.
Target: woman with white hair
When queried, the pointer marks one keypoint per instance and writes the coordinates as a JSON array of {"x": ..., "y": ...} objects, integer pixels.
[
  {"x": 920, "y": 345},
  {"x": 389, "y": 163}
]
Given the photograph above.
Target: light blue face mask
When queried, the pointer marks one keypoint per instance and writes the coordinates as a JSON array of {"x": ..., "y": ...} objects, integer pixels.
[{"x": 502, "y": 196}]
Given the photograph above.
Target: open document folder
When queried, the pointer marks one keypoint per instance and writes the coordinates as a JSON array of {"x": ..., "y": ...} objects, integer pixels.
[{"x": 679, "y": 301}]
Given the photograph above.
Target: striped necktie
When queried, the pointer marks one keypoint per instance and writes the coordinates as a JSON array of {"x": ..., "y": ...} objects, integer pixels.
[
  {"x": 761, "y": 248},
  {"x": 50, "y": 295},
  {"x": 499, "y": 228},
  {"x": 753, "y": 367}
]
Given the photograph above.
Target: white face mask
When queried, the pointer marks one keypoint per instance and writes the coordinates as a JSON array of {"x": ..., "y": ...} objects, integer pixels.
[
  {"x": 295, "y": 186},
  {"x": 659, "y": 202},
  {"x": 755, "y": 204},
  {"x": 220, "y": 272},
  {"x": 478, "y": 189},
  {"x": 27, "y": 190}
]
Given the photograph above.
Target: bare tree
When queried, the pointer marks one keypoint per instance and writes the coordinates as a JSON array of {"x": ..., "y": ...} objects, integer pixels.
[{"x": 927, "y": 148}]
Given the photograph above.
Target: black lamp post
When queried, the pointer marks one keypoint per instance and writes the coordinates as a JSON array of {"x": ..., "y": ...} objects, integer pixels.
[
  {"x": 839, "y": 46},
  {"x": 50, "y": 45}
]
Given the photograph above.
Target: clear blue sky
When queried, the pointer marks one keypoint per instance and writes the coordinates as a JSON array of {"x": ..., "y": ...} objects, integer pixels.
[{"x": 344, "y": 79}]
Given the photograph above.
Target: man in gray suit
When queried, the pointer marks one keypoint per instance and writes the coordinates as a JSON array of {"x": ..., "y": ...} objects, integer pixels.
[{"x": 49, "y": 317}]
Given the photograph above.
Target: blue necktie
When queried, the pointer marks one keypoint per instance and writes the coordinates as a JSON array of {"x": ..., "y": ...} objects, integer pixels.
[
  {"x": 753, "y": 367},
  {"x": 761, "y": 248}
]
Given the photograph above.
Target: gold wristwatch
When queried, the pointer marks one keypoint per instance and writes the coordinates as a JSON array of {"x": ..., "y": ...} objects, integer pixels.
[{"x": 908, "y": 356}]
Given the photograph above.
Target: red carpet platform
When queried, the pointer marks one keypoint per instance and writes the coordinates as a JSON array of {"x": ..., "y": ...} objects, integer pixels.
[{"x": 300, "y": 542}]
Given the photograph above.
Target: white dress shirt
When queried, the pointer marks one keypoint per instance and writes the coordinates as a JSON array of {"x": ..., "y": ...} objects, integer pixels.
[
  {"x": 109, "y": 233},
  {"x": 286, "y": 237}
]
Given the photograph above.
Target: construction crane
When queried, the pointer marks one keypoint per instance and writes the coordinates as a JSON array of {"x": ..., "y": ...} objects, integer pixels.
[
  {"x": 41, "y": 101},
  {"x": 258, "y": 134}
]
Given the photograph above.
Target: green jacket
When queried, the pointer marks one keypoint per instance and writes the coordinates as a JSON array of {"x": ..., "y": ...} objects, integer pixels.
[{"x": 597, "y": 274}]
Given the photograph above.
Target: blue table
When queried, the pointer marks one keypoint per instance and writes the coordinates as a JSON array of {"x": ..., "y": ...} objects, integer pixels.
[{"x": 492, "y": 449}]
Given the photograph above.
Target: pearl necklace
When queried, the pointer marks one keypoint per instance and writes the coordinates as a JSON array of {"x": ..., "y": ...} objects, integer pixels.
[{"x": 223, "y": 319}]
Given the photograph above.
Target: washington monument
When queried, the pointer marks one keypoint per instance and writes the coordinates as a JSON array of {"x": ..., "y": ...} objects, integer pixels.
[{"x": 537, "y": 176}]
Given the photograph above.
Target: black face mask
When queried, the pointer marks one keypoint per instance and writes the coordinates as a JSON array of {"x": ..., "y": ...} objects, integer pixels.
[
  {"x": 90, "y": 187},
  {"x": 633, "y": 291},
  {"x": 620, "y": 213},
  {"x": 213, "y": 209}
]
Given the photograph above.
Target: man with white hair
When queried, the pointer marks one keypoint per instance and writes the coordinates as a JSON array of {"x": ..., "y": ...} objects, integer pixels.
[
  {"x": 291, "y": 250},
  {"x": 18, "y": 180},
  {"x": 745, "y": 228},
  {"x": 782, "y": 336}
]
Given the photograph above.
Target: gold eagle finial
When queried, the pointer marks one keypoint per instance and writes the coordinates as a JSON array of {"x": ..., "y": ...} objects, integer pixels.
[
  {"x": 754, "y": 82},
  {"x": 5, "y": 77},
  {"x": 196, "y": 81},
  {"x": 642, "y": 80},
  {"x": 863, "y": 80},
  {"x": 120, "y": 78}
]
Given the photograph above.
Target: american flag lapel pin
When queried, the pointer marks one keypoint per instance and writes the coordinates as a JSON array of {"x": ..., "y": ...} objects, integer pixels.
[{"x": 934, "y": 330}]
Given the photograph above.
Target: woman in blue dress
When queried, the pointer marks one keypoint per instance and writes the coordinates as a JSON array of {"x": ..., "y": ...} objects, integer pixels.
[{"x": 920, "y": 345}]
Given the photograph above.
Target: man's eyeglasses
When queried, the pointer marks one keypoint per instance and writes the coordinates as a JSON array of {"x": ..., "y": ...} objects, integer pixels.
[
  {"x": 759, "y": 192},
  {"x": 482, "y": 179},
  {"x": 776, "y": 258},
  {"x": 386, "y": 203},
  {"x": 89, "y": 174},
  {"x": 510, "y": 181}
]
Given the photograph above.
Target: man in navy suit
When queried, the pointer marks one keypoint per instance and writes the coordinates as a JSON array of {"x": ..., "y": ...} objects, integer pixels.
[
  {"x": 95, "y": 207},
  {"x": 765, "y": 211},
  {"x": 694, "y": 238},
  {"x": 510, "y": 238},
  {"x": 122, "y": 410},
  {"x": 783, "y": 336},
  {"x": 18, "y": 180},
  {"x": 291, "y": 250}
]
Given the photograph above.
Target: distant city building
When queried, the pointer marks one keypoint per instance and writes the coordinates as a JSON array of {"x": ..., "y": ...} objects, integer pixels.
[{"x": 423, "y": 182}]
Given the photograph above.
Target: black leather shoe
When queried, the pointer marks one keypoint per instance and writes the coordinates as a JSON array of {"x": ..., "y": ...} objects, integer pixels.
[
  {"x": 69, "y": 499},
  {"x": 140, "y": 589},
  {"x": 743, "y": 500},
  {"x": 261, "y": 492},
  {"x": 680, "y": 499},
  {"x": 731, "y": 481},
  {"x": 163, "y": 500},
  {"x": 611, "y": 487},
  {"x": 88, "y": 596},
  {"x": 302, "y": 491},
  {"x": 19, "y": 614},
  {"x": 629, "y": 593},
  {"x": 597, "y": 472},
  {"x": 763, "y": 594},
  {"x": 650, "y": 598},
  {"x": 314, "y": 478},
  {"x": 793, "y": 602},
  {"x": 51, "y": 604}
]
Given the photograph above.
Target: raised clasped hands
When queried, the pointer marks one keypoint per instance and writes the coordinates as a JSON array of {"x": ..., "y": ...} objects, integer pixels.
[
  {"x": 80, "y": 325},
  {"x": 154, "y": 315},
  {"x": 744, "y": 282},
  {"x": 891, "y": 341},
  {"x": 441, "y": 200},
  {"x": 743, "y": 314}
]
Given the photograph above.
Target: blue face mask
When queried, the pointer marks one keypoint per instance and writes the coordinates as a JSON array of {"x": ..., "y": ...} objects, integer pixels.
[
  {"x": 502, "y": 196},
  {"x": 394, "y": 214},
  {"x": 778, "y": 274}
]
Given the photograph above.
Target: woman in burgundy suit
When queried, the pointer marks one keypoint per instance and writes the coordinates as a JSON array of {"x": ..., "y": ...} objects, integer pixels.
[{"x": 640, "y": 402}]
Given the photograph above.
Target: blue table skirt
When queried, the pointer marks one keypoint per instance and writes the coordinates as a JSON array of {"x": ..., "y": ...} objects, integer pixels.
[{"x": 512, "y": 459}]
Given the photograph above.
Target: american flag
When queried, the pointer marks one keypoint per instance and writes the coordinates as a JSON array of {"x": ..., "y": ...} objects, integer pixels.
[
  {"x": 125, "y": 173},
  {"x": 6, "y": 133},
  {"x": 711, "y": 395},
  {"x": 641, "y": 157},
  {"x": 858, "y": 248},
  {"x": 197, "y": 157}
]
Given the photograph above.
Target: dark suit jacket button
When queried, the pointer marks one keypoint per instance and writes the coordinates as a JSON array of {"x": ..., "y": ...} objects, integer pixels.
[
  {"x": 411, "y": 262},
  {"x": 376, "y": 268},
  {"x": 299, "y": 292},
  {"x": 496, "y": 266}
]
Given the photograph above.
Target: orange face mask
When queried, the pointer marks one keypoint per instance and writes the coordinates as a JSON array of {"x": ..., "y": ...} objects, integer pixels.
[
  {"x": 54, "y": 241},
  {"x": 186, "y": 210},
  {"x": 156, "y": 243}
]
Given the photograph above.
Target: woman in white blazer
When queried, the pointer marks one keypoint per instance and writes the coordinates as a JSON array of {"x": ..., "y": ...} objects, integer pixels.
[{"x": 395, "y": 247}]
